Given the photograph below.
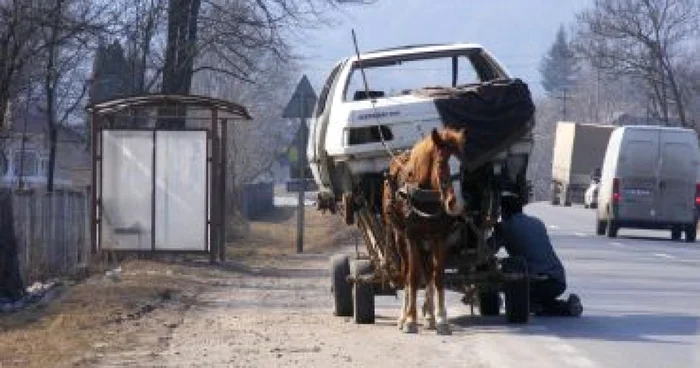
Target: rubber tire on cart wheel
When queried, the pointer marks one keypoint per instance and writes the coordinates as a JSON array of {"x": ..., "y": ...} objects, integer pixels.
[
  {"x": 612, "y": 229},
  {"x": 600, "y": 227},
  {"x": 676, "y": 234},
  {"x": 348, "y": 209},
  {"x": 362, "y": 293},
  {"x": 691, "y": 232},
  {"x": 489, "y": 303},
  {"x": 341, "y": 288},
  {"x": 517, "y": 292}
]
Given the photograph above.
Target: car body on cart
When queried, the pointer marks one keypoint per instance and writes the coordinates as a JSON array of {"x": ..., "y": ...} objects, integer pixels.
[{"x": 381, "y": 103}]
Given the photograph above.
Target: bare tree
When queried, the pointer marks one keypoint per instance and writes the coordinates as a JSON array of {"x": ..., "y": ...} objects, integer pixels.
[
  {"x": 142, "y": 23},
  {"x": 18, "y": 44},
  {"x": 67, "y": 30},
  {"x": 253, "y": 146},
  {"x": 233, "y": 29},
  {"x": 642, "y": 39}
]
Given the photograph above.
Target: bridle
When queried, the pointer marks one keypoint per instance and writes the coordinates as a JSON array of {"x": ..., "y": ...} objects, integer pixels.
[
  {"x": 443, "y": 171},
  {"x": 411, "y": 193}
]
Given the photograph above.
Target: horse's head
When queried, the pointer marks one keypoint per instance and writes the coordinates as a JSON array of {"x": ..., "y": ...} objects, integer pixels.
[{"x": 447, "y": 154}]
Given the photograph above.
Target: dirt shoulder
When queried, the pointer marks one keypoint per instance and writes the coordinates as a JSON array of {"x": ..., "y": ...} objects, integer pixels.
[
  {"x": 100, "y": 314},
  {"x": 265, "y": 307},
  {"x": 138, "y": 308}
]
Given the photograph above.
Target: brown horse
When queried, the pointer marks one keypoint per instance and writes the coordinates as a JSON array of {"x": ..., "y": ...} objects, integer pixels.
[{"x": 419, "y": 207}]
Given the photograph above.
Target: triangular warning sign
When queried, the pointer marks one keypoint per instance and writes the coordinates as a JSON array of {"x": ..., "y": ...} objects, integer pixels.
[{"x": 301, "y": 105}]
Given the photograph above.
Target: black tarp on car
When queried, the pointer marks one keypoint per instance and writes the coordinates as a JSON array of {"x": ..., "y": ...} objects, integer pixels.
[{"x": 495, "y": 114}]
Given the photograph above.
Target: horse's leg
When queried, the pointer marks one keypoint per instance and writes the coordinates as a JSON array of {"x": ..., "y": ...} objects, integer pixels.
[
  {"x": 429, "y": 304},
  {"x": 403, "y": 276},
  {"x": 413, "y": 279},
  {"x": 438, "y": 252},
  {"x": 404, "y": 303}
]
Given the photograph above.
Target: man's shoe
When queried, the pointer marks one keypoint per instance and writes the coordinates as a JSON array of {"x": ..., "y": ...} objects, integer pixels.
[
  {"x": 536, "y": 309},
  {"x": 574, "y": 305}
]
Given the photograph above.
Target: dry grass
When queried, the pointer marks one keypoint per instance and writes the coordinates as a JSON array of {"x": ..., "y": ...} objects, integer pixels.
[
  {"x": 276, "y": 234},
  {"x": 99, "y": 316}
]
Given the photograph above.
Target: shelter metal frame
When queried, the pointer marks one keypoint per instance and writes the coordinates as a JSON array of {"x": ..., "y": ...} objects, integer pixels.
[{"x": 105, "y": 117}]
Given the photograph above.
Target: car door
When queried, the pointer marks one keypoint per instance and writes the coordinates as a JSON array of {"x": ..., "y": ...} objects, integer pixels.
[
  {"x": 638, "y": 165},
  {"x": 678, "y": 168}
]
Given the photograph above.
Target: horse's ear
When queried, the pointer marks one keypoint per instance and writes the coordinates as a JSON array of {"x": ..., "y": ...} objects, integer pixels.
[
  {"x": 462, "y": 134},
  {"x": 437, "y": 139}
]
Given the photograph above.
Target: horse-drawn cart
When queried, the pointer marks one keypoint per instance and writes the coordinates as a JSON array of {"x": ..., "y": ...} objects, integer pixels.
[{"x": 356, "y": 131}]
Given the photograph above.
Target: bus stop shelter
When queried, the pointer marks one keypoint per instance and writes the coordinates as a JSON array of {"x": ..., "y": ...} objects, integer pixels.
[{"x": 159, "y": 173}]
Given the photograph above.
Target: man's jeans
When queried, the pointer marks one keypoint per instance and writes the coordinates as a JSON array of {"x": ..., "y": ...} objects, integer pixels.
[{"x": 543, "y": 297}]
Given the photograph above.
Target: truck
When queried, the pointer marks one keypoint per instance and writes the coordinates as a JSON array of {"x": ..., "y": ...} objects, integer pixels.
[{"x": 578, "y": 151}]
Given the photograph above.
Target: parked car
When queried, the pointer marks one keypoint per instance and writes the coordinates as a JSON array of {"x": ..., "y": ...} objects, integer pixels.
[
  {"x": 590, "y": 197},
  {"x": 649, "y": 181}
]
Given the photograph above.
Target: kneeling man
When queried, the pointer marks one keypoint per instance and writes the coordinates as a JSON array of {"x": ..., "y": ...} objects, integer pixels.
[{"x": 526, "y": 236}]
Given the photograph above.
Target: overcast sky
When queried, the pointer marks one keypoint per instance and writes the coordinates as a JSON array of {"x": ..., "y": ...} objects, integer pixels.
[{"x": 517, "y": 32}]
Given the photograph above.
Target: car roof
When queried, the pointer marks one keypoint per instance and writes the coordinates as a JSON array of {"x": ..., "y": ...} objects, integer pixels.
[{"x": 653, "y": 127}]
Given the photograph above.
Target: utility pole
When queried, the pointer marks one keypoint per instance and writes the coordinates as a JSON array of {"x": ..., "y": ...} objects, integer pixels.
[
  {"x": 301, "y": 159},
  {"x": 564, "y": 97},
  {"x": 564, "y": 102},
  {"x": 597, "y": 95}
]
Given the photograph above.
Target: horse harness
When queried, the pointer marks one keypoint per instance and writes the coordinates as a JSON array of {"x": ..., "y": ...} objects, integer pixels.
[{"x": 415, "y": 209}]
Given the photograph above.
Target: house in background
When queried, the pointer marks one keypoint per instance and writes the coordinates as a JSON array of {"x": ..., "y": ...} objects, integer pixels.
[
  {"x": 113, "y": 75},
  {"x": 26, "y": 165}
]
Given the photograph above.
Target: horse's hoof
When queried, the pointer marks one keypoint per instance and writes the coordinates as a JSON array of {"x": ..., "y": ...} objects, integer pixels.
[
  {"x": 431, "y": 324},
  {"x": 400, "y": 324},
  {"x": 410, "y": 328},
  {"x": 443, "y": 329}
]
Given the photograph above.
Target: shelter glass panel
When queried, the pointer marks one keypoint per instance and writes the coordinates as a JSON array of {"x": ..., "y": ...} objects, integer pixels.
[
  {"x": 126, "y": 190},
  {"x": 181, "y": 190}
]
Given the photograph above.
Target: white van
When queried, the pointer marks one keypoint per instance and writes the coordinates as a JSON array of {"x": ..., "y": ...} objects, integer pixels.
[{"x": 648, "y": 181}]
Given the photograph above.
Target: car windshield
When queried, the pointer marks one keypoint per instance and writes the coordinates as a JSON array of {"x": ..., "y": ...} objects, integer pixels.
[{"x": 387, "y": 78}]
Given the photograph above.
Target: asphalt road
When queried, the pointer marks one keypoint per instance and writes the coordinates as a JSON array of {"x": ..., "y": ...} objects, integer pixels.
[{"x": 641, "y": 296}]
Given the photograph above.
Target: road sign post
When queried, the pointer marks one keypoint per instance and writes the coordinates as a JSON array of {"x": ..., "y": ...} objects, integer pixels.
[{"x": 301, "y": 106}]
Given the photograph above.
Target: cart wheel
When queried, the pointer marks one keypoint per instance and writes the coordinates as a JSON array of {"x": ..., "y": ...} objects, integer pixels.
[
  {"x": 517, "y": 293},
  {"x": 348, "y": 209},
  {"x": 489, "y": 303},
  {"x": 363, "y": 293},
  {"x": 341, "y": 288}
]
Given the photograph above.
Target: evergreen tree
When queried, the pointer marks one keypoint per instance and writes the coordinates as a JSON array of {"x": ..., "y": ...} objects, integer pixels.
[{"x": 558, "y": 66}]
